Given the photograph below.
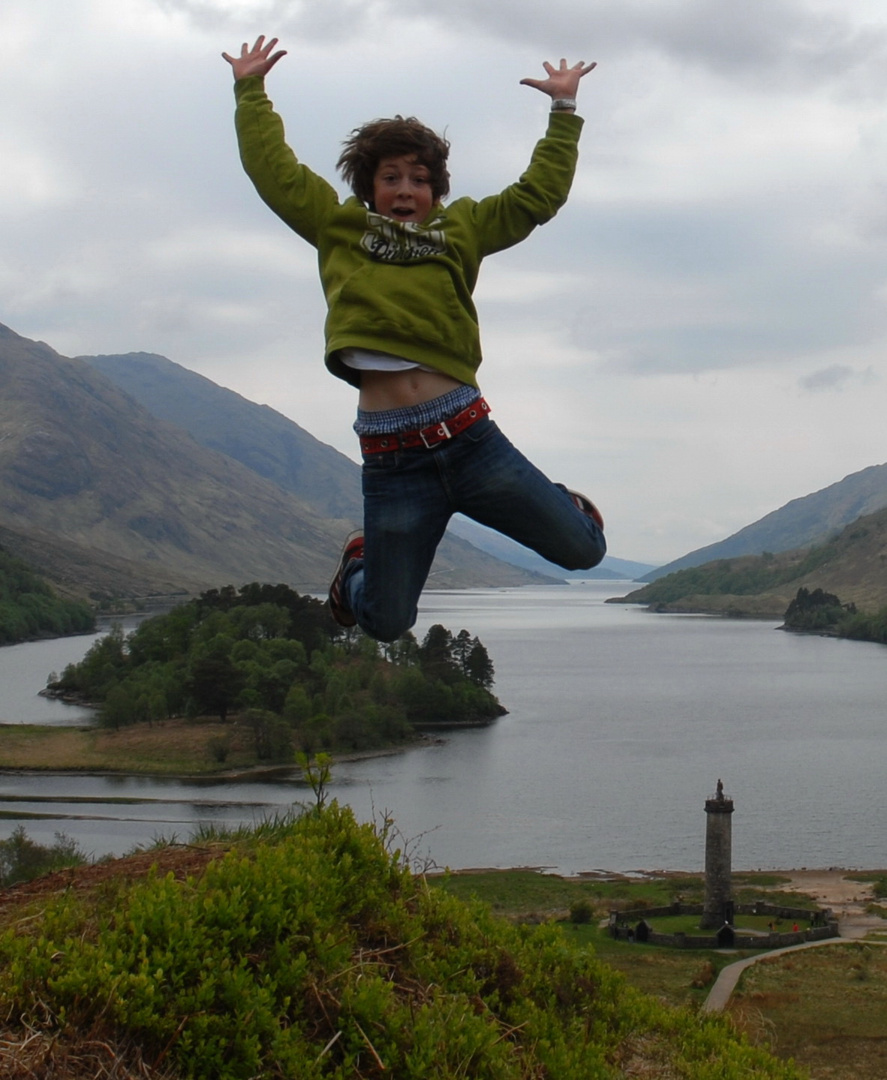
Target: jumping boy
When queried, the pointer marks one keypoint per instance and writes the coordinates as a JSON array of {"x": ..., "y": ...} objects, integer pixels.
[{"x": 398, "y": 268}]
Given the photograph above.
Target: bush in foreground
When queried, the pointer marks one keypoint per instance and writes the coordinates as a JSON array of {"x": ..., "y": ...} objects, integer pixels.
[{"x": 311, "y": 951}]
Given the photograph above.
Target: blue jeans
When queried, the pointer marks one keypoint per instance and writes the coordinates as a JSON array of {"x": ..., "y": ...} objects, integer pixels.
[{"x": 409, "y": 497}]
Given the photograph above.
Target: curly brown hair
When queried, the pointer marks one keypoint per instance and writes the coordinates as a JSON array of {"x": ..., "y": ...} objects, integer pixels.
[{"x": 381, "y": 139}]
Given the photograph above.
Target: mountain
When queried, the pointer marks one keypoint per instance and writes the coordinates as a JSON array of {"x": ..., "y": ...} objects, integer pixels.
[
  {"x": 257, "y": 436},
  {"x": 107, "y": 499},
  {"x": 811, "y": 519},
  {"x": 851, "y": 565},
  {"x": 280, "y": 450}
]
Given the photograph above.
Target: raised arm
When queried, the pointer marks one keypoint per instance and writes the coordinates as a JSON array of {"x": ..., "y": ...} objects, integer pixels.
[
  {"x": 257, "y": 60},
  {"x": 562, "y": 83}
]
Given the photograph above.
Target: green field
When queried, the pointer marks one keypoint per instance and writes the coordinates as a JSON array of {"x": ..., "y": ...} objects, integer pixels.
[{"x": 823, "y": 1007}]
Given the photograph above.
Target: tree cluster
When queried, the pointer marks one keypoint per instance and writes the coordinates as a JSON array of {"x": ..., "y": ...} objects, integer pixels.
[
  {"x": 865, "y": 626},
  {"x": 278, "y": 662},
  {"x": 23, "y": 859},
  {"x": 816, "y": 610},
  {"x": 29, "y": 608}
]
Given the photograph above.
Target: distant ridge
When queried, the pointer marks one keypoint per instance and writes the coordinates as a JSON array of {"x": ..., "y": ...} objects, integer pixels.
[
  {"x": 83, "y": 465},
  {"x": 851, "y": 565},
  {"x": 811, "y": 519}
]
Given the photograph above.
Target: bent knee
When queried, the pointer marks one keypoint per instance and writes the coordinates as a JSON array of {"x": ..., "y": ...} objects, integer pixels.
[
  {"x": 590, "y": 555},
  {"x": 386, "y": 630}
]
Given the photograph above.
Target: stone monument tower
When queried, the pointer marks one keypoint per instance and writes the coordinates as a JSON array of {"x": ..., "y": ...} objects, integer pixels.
[{"x": 718, "y": 905}]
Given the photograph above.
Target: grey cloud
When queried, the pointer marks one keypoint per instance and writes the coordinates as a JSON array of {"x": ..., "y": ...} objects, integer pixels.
[
  {"x": 320, "y": 20},
  {"x": 835, "y": 377},
  {"x": 782, "y": 39},
  {"x": 783, "y": 43},
  {"x": 689, "y": 289}
]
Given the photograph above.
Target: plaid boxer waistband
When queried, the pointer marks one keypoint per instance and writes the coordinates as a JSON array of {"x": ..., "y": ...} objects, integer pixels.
[{"x": 427, "y": 437}]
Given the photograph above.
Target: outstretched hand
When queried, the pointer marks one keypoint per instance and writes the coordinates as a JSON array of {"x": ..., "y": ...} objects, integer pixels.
[
  {"x": 562, "y": 81},
  {"x": 257, "y": 60}
]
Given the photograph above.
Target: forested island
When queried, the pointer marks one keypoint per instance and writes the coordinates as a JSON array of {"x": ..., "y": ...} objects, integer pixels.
[{"x": 275, "y": 661}]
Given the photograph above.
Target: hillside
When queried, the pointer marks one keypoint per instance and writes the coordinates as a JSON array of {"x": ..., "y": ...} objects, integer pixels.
[
  {"x": 30, "y": 609},
  {"x": 257, "y": 436},
  {"x": 107, "y": 500},
  {"x": 851, "y": 565},
  {"x": 811, "y": 519},
  {"x": 308, "y": 950},
  {"x": 278, "y": 449},
  {"x": 82, "y": 462}
]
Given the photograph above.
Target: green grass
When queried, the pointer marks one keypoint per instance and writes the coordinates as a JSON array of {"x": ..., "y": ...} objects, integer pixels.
[
  {"x": 668, "y": 974},
  {"x": 526, "y": 893},
  {"x": 169, "y": 747},
  {"x": 825, "y": 1008}
]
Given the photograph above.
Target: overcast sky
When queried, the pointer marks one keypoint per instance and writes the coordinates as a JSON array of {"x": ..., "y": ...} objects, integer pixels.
[{"x": 696, "y": 339}]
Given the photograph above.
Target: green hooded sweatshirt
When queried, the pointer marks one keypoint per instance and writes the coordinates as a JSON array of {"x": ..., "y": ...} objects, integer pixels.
[{"x": 402, "y": 288}]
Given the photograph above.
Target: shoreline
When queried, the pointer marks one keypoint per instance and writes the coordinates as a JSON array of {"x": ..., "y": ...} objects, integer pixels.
[
  {"x": 174, "y": 749},
  {"x": 652, "y": 875}
]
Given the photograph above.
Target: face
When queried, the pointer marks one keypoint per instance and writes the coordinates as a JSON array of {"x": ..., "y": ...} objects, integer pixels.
[{"x": 402, "y": 189}]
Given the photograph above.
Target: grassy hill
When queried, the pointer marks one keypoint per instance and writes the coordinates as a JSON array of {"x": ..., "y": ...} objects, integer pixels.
[
  {"x": 308, "y": 950},
  {"x": 851, "y": 565}
]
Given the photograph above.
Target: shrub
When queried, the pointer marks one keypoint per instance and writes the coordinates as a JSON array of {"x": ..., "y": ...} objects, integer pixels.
[{"x": 581, "y": 912}]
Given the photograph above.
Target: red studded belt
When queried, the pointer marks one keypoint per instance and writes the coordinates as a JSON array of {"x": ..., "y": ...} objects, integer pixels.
[{"x": 427, "y": 437}]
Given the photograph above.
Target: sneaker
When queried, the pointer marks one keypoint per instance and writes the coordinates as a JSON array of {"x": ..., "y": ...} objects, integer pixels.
[
  {"x": 583, "y": 503},
  {"x": 353, "y": 549}
]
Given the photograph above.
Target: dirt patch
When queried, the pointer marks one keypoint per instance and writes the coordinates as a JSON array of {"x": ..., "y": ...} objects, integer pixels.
[
  {"x": 847, "y": 898},
  {"x": 182, "y": 861}
]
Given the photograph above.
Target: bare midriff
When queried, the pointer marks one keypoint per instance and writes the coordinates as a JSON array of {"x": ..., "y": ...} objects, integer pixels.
[{"x": 380, "y": 390}]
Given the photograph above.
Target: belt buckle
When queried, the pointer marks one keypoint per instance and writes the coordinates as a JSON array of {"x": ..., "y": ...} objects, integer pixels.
[{"x": 440, "y": 430}]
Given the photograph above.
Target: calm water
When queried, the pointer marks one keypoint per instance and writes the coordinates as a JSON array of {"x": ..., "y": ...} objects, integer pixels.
[
  {"x": 24, "y": 670},
  {"x": 620, "y": 724}
]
